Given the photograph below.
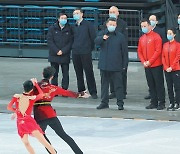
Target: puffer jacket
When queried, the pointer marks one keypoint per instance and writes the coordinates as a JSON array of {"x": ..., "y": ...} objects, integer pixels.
[{"x": 59, "y": 39}]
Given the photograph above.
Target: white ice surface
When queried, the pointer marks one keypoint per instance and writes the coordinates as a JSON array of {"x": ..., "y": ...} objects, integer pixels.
[{"x": 99, "y": 136}]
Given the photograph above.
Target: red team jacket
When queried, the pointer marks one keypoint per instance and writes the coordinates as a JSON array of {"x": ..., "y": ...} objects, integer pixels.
[
  {"x": 171, "y": 55},
  {"x": 45, "y": 111},
  {"x": 150, "y": 49}
]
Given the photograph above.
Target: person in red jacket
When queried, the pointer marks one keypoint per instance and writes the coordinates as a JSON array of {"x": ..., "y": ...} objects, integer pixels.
[
  {"x": 171, "y": 65},
  {"x": 45, "y": 115},
  {"x": 22, "y": 105},
  {"x": 150, "y": 53}
]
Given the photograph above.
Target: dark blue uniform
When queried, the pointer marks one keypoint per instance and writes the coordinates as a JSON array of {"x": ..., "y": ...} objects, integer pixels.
[{"x": 83, "y": 44}]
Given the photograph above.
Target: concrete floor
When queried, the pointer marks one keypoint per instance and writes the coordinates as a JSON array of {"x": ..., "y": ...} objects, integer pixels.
[{"x": 14, "y": 71}]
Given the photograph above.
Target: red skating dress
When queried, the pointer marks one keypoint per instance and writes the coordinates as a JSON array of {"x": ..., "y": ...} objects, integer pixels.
[{"x": 25, "y": 123}]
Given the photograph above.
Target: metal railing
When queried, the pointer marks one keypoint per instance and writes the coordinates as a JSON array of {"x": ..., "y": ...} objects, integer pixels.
[{"x": 26, "y": 25}]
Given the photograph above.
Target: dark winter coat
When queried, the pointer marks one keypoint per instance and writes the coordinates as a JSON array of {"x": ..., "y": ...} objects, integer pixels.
[
  {"x": 59, "y": 39},
  {"x": 162, "y": 33},
  {"x": 113, "y": 51},
  {"x": 84, "y": 35},
  {"x": 177, "y": 37}
]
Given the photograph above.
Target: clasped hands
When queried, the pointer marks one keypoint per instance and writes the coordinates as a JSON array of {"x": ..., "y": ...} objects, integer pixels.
[{"x": 59, "y": 53}]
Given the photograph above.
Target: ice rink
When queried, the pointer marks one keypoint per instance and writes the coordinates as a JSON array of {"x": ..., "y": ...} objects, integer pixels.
[{"x": 100, "y": 136}]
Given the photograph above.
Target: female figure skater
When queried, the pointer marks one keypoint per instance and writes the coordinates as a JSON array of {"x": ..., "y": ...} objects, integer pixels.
[
  {"x": 22, "y": 105},
  {"x": 171, "y": 65}
]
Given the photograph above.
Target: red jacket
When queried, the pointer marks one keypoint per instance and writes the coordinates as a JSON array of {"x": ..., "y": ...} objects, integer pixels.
[
  {"x": 150, "y": 49},
  {"x": 171, "y": 55},
  {"x": 42, "y": 112}
]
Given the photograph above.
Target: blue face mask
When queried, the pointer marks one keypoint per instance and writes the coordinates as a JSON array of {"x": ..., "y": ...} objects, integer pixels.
[
  {"x": 112, "y": 15},
  {"x": 111, "y": 28},
  {"x": 76, "y": 16},
  {"x": 145, "y": 30},
  {"x": 170, "y": 37},
  {"x": 63, "y": 21},
  {"x": 153, "y": 23},
  {"x": 179, "y": 21}
]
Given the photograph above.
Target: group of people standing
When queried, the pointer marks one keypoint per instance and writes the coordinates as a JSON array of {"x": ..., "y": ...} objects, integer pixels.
[
  {"x": 113, "y": 59},
  {"x": 81, "y": 39},
  {"x": 158, "y": 52}
]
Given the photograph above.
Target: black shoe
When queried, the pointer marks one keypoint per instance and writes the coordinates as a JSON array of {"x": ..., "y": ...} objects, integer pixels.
[
  {"x": 151, "y": 106},
  {"x": 120, "y": 107},
  {"x": 147, "y": 97},
  {"x": 161, "y": 107},
  {"x": 112, "y": 95},
  {"x": 94, "y": 96},
  {"x": 102, "y": 106},
  {"x": 170, "y": 107},
  {"x": 176, "y": 107}
]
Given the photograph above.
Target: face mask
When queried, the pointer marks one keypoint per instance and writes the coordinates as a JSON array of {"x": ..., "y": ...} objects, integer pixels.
[
  {"x": 76, "y": 16},
  {"x": 112, "y": 15},
  {"x": 170, "y": 37},
  {"x": 63, "y": 22},
  {"x": 179, "y": 21},
  {"x": 145, "y": 30},
  {"x": 111, "y": 28},
  {"x": 153, "y": 23}
]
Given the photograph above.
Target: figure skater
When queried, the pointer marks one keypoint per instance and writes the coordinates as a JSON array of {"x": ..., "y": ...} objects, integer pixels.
[
  {"x": 45, "y": 115},
  {"x": 22, "y": 105}
]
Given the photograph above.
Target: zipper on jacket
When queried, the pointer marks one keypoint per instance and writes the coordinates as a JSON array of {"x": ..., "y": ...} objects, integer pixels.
[
  {"x": 107, "y": 53},
  {"x": 146, "y": 48},
  {"x": 168, "y": 54}
]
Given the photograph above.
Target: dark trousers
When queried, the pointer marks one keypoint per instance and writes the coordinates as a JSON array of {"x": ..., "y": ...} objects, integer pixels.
[
  {"x": 55, "y": 124},
  {"x": 173, "y": 86},
  {"x": 155, "y": 81},
  {"x": 124, "y": 79},
  {"x": 83, "y": 62},
  {"x": 65, "y": 75},
  {"x": 116, "y": 77}
]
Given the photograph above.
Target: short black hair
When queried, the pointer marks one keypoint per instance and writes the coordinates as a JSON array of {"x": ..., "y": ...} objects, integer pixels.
[
  {"x": 78, "y": 8},
  {"x": 48, "y": 72},
  {"x": 172, "y": 29},
  {"x": 28, "y": 85},
  {"x": 145, "y": 20},
  {"x": 111, "y": 19},
  {"x": 61, "y": 14}
]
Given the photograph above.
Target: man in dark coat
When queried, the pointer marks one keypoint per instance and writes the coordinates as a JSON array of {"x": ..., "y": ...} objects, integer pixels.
[
  {"x": 59, "y": 39},
  {"x": 121, "y": 27},
  {"x": 178, "y": 29},
  {"x": 83, "y": 44},
  {"x": 113, "y": 61}
]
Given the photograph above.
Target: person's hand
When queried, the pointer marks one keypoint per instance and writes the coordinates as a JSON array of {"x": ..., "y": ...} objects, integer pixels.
[
  {"x": 169, "y": 69},
  {"x": 34, "y": 80},
  {"x": 105, "y": 37},
  {"x": 148, "y": 63},
  {"x": 14, "y": 115},
  {"x": 145, "y": 64},
  {"x": 59, "y": 53}
]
